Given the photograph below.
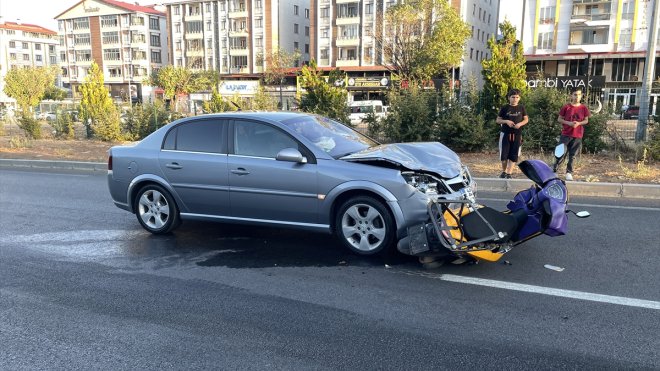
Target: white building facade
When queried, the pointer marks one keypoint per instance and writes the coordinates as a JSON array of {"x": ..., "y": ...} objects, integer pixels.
[
  {"x": 601, "y": 41},
  {"x": 21, "y": 45},
  {"x": 126, "y": 41}
]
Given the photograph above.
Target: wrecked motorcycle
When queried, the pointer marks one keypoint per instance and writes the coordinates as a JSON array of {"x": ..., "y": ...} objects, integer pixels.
[{"x": 466, "y": 231}]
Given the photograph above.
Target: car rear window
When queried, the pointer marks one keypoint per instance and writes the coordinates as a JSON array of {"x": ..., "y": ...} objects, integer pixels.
[{"x": 196, "y": 136}]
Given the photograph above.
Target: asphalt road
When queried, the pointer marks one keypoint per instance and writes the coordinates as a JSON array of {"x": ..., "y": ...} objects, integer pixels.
[{"x": 83, "y": 286}]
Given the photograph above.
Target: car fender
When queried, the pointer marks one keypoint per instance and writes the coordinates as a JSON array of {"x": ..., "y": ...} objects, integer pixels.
[
  {"x": 362, "y": 185},
  {"x": 151, "y": 178}
]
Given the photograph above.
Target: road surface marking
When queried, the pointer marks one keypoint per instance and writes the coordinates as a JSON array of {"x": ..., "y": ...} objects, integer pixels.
[{"x": 580, "y": 295}]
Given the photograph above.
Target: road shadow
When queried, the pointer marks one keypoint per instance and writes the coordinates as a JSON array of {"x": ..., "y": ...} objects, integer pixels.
[{"x": 240, "y": 246}]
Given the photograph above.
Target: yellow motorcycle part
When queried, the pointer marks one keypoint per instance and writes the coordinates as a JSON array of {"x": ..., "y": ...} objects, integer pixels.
[
  {"x": 452, "y": 221},
  {"x": 486, "y": 255}
]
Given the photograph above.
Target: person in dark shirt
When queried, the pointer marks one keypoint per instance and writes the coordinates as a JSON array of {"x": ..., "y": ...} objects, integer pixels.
[
  {"x": 511, "y": 118},
  {"x": 572, "y": 117}
]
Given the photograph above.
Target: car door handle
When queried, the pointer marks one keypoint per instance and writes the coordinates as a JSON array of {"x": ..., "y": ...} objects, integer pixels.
[
  {"x": 174, "y": 166},
  {"x": 240, "y": 171}
]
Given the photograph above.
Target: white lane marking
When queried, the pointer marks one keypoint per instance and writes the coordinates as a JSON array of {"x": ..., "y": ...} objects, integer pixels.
[
  {"x": 580, "y": 295},
  {"x": 570, "y": 204}
]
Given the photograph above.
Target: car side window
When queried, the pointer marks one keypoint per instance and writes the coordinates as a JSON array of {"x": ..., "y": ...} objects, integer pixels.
[
  {"x": 197, "y": 136},
  {"x": 260, "y": 140}
]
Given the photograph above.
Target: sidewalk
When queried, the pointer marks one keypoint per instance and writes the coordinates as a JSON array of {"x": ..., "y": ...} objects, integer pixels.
[{"x": 625, "y": 190}]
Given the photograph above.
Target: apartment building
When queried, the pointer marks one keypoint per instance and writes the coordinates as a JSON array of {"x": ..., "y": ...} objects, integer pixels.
[
  {"x": 343, "y": 37},
  {"x": 23, "y": 44},
  {"x": 233, "y": 37},
  {"x": 598, "y": 44},
  {"x": 127, "y": 41}
]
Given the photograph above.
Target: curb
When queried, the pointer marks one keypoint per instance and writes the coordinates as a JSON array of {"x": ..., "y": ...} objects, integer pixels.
[{"x": 624, "y": 190}]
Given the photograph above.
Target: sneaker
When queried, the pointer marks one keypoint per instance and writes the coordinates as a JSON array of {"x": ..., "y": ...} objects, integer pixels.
[
  {"x": 569, "y": 176},
  {"x": 503, "y": 175},
  {"x": 508, "y": 176}
]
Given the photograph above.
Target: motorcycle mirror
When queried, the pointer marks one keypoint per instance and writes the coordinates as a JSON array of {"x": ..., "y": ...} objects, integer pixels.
[
  {"x": 560, "y": 150},
  {"x": 580, "y": 214}
]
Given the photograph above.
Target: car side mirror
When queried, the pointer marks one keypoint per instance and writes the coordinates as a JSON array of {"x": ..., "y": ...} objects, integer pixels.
[
  {"x": 580, "y": 214},
  {"x": 291, "y": 155}
]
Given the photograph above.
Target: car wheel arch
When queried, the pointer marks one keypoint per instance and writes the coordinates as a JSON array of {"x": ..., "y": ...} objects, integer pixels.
[
  {"x": 138, "y": 183},
  {"x": 344, "y": 196}
]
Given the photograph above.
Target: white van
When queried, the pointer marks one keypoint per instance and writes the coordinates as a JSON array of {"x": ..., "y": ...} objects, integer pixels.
[{"x": 358, "y": 110}]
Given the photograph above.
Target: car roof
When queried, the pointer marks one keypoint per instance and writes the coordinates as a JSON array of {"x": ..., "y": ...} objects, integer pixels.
[{"x": 274, "y": 116}]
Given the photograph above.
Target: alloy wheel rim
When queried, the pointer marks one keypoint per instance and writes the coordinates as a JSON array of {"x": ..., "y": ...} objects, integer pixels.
[
  {"x": 363, "y": 227},
  {"x": 154, "y": 209}
]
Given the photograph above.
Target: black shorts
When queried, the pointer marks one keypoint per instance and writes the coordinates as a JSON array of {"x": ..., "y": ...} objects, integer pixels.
[{"x": 510, "y": 146}]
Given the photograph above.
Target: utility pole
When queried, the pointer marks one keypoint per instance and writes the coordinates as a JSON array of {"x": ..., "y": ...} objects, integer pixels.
[{"x": 649, "y": 69}]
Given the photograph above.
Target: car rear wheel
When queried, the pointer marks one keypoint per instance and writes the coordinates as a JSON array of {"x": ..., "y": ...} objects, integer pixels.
[
  {"x": 365, "y": 226},
  {"x": 156, "y": 210}
]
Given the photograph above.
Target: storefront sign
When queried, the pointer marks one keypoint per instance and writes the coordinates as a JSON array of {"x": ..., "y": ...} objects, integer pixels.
[
  {"x": 567, "y": 82},
  {"x": 366, "y": 82},
  {"x": 240, "y": 87}
]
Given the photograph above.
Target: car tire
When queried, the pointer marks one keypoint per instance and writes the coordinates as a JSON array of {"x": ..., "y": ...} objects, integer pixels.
[
  {"x": 365, "y": 226},
  {"x": 156, "y": 210}
]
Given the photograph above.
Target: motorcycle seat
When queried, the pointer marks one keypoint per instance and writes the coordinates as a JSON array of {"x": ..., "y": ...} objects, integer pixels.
[{"x": 475, "y": 228}]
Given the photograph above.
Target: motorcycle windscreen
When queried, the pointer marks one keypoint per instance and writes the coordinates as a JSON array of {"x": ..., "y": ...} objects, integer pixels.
[{"x": 537, "y": 171}]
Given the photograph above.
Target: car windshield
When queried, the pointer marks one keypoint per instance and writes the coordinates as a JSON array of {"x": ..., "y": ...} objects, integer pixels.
[{"x": 332, "y": 137}]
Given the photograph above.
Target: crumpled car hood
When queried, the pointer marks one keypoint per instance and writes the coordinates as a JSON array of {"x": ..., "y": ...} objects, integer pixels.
[{"x": 426, "y": 156}]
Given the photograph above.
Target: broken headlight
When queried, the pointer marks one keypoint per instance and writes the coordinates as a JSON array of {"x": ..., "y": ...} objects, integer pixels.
[{"x": 422, "y": 182}]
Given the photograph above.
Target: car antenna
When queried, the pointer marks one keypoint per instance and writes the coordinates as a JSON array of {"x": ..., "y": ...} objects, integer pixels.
[{"x": 238, "y": 108}]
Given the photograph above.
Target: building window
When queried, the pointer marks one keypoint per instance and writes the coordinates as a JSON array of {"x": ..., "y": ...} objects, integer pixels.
[
  {"x": 208, "y": 26},
  {"x": 295, "y": 46},
  {"x": 177, "y": 27},
  {"x": 258, "y": 23},
  {"x": 111, "y": 54},
  {"x": 154, "y": 40},
  {"x": 25, "y": 46},
  {"x": 155, "y": 56},
  {"x": 137, "y": 21},
  {"x": 306, "y": 13},
  {"x": 37, "y": 58},
  {"x": 325, "y": 32},
  {"x": 177, "y": 9},
  {"x": 12, "y": 44},
  {"x": 324, "y": 54},
  {"x": 37, "y": 46},
  {"x": 114, "y": 71},
  {"x": 209, "y": 43},
  {"x": 325, "y": 12},
  {"x": 295, "y": 28},
  {"x": 368, "y": 31},
  {"x": 547, "y": 14},
  {"x": 80, "y": 23},
  {"x": 194, "y": 27},
  {"x": 208, "y": 7},
  {"x": 307, "y": 48},
  {"x": 222, "y": 5},
  {"x": 625, "y": 38},
  {"x": 12, "y": 56},
  {"x": 81, "y": 39},
  {"x": 258, "y": 42},
  {"x": 577, "y": 67},
  {"x": 597, "y": 67},
  {"x": 295, "y": 10},
  {"x": 471, "y": 52},
  {"x": 109, "y": 21},
  {"x": 306, "y": 30},
  {"x": 545, "y": 40},
  {"x": 368, "y": 8},
  {"x": 63, "y": 56},
  {"x": 83, "y": 55},
  {"x": 628, "y": 10},
  {"x": 154, "y": 24},
  {"x": 110, "y": 37}
]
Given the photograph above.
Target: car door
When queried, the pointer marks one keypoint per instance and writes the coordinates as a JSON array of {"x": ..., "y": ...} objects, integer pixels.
[
  {"x": 263, "y": 188},
  {"x": 194, "y": 161}
]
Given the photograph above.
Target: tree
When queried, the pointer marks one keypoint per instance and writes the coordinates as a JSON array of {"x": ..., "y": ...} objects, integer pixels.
[
  {"x": 27, "y": 86},
  {"x": 323, "y": 97},
  {"x": 177, "y": 81},
  {"x": 422, "y": 38},
  {"x": 263, "y": 101},
  {"x": 97, "y": 111},
  {"x": 217, "y": 103},
  {"x": 276, "y": 67},
  {"x": 54, "y": 93},
  {"x": 505, "y": 69}
]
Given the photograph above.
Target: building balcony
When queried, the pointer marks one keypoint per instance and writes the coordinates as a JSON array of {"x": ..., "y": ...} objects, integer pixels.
[
  {"x": 348, "y": 20},
  {"x": 324, "y": 62},
  {"x": 578, "y": 18},
  {"x": 589, "y": 2},
  {"x": 347, "y": 62},
  {"x": 194, "y": 53},
  {"x": 194, "y": 16},
  {"x": 196, "y": 35},
  {"x": 239, "y": 50},
  {"x": 348, "y": 2},
  {"x": 239, "y": 32},
  {"x": 348, "y": 41},
  {"x": 238, "y": 13},
  {"x": 239, "y": 70}
]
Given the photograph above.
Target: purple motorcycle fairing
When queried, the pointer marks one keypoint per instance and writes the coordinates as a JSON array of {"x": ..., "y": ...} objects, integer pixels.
[{"x": 544, "y": 203}]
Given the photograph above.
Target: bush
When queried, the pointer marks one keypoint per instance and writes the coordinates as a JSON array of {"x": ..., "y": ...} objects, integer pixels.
[
  {"x": 461, "y": 129},
  {"x": 30, "y": 125},
  {"x": 412, "y": 115},
  {"x": 146, "y": 118},
  {"x": 652, "y": 146},
  {"x": 594, "y": 131},
  {"x": 542, "y": 130},
  {"x": 63, "y": 125},
  {"x": 106, "y": 127}
]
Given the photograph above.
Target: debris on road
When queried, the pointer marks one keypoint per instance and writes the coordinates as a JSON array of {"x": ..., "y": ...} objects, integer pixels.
[{"x": 554, "y": 268}]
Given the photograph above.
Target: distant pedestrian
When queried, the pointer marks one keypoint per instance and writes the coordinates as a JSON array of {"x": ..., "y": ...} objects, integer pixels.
[
  {"x": 572, "y": 116},
  {"x": 512, "y": 118}
]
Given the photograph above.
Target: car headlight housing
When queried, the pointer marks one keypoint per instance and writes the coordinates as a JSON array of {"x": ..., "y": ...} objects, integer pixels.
[{"x": 422, "y": 182}]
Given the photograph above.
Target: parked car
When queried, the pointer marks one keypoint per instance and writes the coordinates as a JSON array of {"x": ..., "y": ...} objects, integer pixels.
[
  {"x": 632, "y": 112},
  {"x": 48, "y": 116},
  {"x": 283, "y": 169}
]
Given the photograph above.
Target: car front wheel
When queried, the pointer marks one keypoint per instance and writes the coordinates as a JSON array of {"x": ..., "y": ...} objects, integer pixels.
[
  {"x": 365, "y": 226},
  {"x": 156, "y": 210}
]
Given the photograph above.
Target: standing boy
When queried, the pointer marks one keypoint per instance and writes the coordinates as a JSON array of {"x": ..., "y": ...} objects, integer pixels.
[
  {"x": 511, "y": 118},
  {"x": 572, "y": 116}
]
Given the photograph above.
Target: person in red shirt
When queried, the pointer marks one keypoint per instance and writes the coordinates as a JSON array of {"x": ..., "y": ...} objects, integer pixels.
[{"x": 572, "y": 117}]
